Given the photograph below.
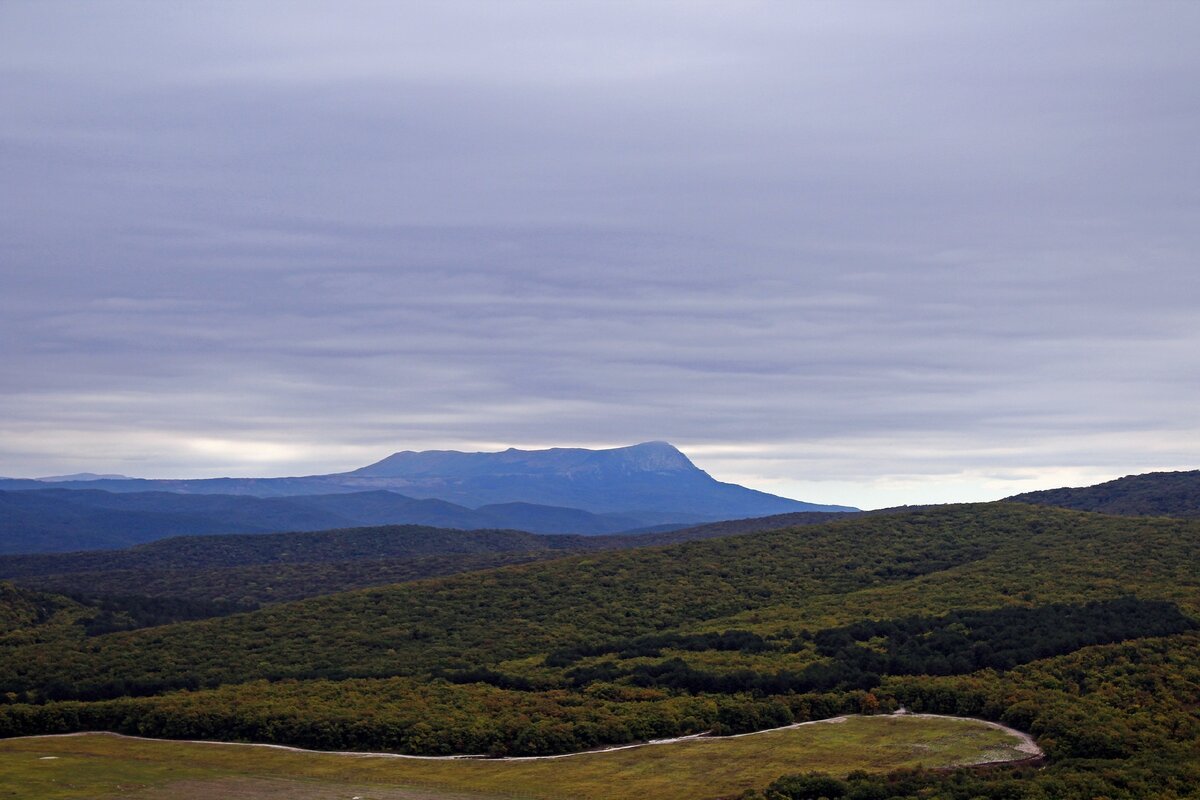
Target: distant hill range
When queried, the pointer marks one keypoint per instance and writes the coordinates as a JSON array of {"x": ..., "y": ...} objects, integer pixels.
[
  {"x": 1154, "y": 494},
  {"x": 271, "y": 567},
  {"x": 561, "y": 490},
  {"x": 61, "y": 520}
]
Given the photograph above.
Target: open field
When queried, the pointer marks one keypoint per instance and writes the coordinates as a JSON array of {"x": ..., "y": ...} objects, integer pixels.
[{"x": 109, "y": 766}]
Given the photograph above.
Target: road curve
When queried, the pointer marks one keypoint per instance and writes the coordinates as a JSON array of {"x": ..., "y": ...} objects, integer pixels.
[{"x": 1026, "y": 746}]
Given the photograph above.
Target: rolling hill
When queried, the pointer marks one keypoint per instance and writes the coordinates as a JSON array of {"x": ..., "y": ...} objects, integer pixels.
[{"x": 1154, "y": 494}]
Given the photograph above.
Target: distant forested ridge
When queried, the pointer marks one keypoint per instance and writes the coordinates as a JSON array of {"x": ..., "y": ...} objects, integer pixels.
[
  {"x": 1165, "y": 494},
  {"x": 249, "y": 569},
  {"x": 55, "y": 519}
]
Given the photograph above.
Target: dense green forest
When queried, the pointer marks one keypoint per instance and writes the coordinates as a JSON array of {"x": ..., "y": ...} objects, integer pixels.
[
  {"x": 1165, "y": 494},
  {"x": 1078, "y": 627},
  {"x": 247, "y": 570}
]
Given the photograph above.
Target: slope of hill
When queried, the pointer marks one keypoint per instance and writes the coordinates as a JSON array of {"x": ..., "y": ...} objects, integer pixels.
[
  {"x": 653, "y": 481},
  {"x": 1166, "y": 494},
  {"x": 24, "y": 611}
]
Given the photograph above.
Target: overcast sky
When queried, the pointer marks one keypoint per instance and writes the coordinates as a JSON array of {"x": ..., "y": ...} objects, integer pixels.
[{"x": 864, "y": 253}]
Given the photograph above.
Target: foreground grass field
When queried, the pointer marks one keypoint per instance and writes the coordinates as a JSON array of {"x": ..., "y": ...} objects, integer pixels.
[{"x": 106, "y": 766}]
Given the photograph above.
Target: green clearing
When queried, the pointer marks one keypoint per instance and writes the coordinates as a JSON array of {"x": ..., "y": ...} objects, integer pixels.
[{"x": 105, "y": 766}]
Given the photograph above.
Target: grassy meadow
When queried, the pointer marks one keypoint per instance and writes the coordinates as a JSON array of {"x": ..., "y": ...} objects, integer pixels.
[{"x": 106, "y": 766}]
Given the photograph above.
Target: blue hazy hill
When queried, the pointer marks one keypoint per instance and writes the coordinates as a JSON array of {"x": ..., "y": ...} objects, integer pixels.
[
  {"x": 653, "y": 476},
  {"x": 559, "y": 490},
  {"x": 62, "y": 520}
]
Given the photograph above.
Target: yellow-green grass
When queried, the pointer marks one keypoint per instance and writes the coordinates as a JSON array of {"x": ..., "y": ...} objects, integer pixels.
[{"x": 106, "y": 766}]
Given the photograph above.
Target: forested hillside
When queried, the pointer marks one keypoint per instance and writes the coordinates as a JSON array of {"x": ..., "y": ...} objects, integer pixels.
[
  {"x": 1162, "y": 494},
  {"x": 1007, "y": 611}
]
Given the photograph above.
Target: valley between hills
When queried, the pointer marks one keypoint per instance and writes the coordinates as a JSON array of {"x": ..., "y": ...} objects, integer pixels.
[{"x": 1079, "y": 628}]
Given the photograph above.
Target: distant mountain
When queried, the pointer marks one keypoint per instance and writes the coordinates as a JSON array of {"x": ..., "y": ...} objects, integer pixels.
[
  {"x": 644, "y": 477},
  {"x": 645, "y": 480},
  {"x": 1154, "y": 494},
  {"x": 83, "y": 476},
  {"x": 652, "y": 457},
  {"x": 60, "y": 520}
]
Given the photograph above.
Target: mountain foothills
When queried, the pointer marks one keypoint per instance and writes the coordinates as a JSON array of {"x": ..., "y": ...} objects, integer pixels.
[
  {"x": 1081, "y": 628},
  {"x": 561, "y": 490}
]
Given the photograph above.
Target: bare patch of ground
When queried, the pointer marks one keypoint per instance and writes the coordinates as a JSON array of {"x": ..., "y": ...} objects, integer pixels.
[{"x": 1025, "y": 743}]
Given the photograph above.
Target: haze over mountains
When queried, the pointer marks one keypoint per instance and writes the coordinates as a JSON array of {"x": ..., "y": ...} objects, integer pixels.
[{"x": 561, "y": 490}]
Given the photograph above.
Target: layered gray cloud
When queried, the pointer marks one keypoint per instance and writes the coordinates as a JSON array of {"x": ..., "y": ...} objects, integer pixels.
[{"x": 863, "y": 253}]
